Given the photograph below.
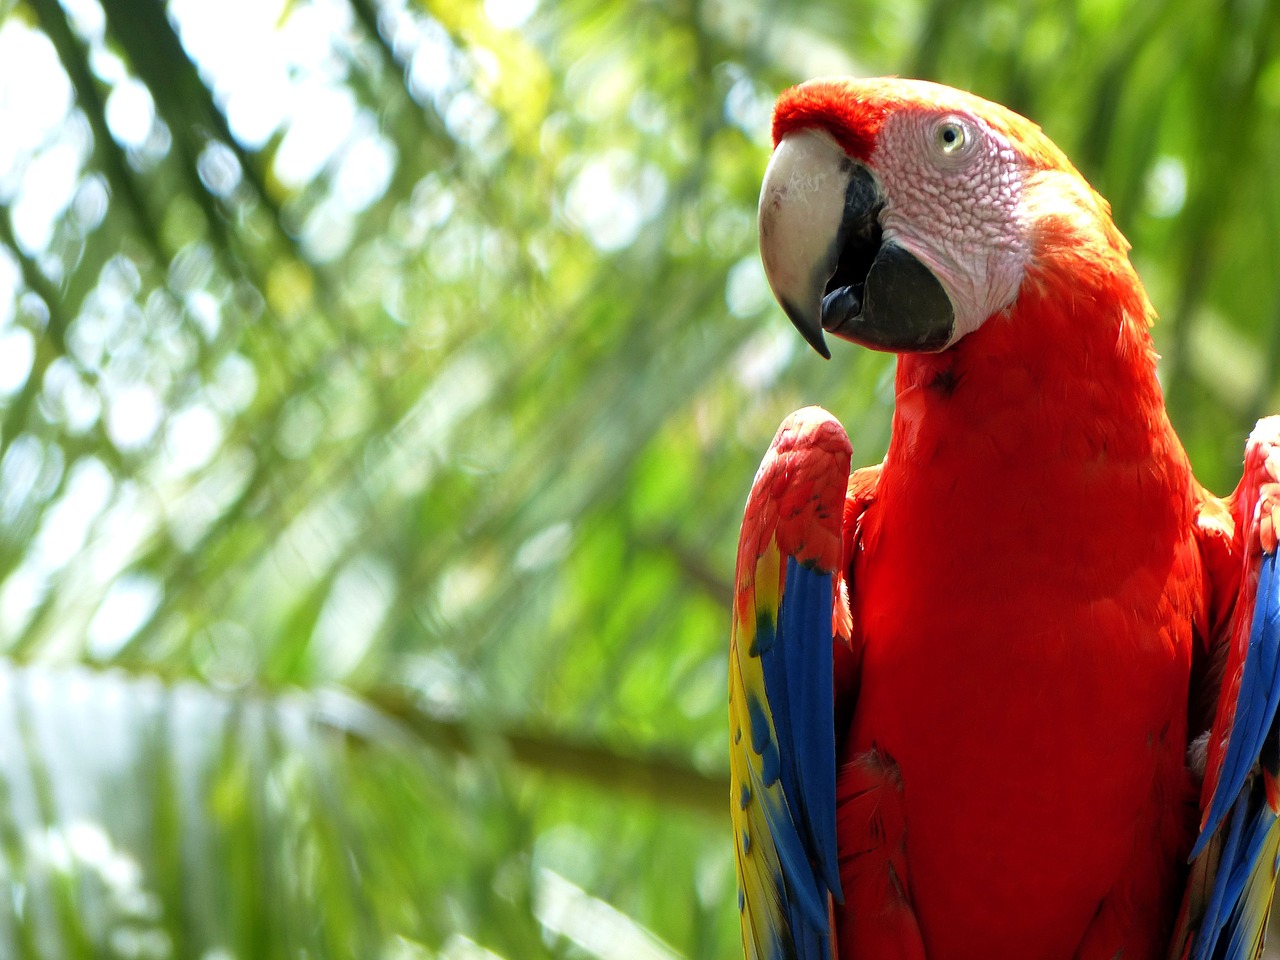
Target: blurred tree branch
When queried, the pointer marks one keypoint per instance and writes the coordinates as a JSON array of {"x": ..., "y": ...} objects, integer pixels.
[{"x": 661, "y": 777}]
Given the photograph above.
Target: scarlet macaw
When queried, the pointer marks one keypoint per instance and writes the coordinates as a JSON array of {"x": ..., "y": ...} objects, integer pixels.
[{"x": 989, "y": 696}]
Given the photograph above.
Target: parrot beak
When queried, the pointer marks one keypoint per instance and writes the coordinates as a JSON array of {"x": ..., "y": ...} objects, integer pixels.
[{"x": 827, "y": 261}]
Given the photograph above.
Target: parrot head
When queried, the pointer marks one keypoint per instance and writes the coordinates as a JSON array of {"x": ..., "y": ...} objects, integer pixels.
[{"x": 903, "y": 215}]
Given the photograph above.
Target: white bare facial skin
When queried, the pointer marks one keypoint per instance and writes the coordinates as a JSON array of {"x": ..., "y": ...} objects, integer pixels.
[{"x": 954, "y": 188}]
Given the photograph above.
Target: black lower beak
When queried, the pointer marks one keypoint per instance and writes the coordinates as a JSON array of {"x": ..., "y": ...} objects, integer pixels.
[{"x": 900, "y": 306}]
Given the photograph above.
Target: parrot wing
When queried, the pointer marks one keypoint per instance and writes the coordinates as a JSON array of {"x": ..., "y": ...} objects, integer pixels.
[
  {"x": 1234, "y": 866},
  {"x": 782, "y": 759}
]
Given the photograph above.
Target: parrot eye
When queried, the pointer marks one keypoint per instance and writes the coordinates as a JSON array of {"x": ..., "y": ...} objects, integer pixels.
[{"x": 953, "y": 138}]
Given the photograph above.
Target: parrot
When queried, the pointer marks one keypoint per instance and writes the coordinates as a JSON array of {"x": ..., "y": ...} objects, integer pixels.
[{"x": 1012, "y": 692}]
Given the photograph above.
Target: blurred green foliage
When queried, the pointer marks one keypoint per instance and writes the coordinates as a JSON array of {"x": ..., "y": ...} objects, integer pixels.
[{"x": 380, "y": 384}]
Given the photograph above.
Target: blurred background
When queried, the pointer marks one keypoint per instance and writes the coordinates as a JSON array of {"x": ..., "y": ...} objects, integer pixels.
[{"x": 380, "y": 385}]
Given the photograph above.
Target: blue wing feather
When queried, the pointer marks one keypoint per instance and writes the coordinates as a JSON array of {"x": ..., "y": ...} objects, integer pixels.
[
  {"x": 806, "y": 620},
  {"x": 1253, "y": 879},
  {"x": 1215, "y": 916},
  {"x": 1237, "y": 912},
  {"x": 796, "y": 659},
  {"x": 1257, "y": 702}
]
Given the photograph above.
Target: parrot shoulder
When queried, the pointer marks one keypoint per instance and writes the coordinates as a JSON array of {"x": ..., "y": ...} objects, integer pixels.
[{"x": 846, "y": 650}]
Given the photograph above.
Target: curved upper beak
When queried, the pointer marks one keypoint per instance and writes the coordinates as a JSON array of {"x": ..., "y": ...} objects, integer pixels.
[
  {"x": 827, "y": 261},
  {"x": 802, "y": 206}
]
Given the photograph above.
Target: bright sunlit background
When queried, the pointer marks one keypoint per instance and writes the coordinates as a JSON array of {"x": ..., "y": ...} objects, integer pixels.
[{"x": 380, "y": 384}]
